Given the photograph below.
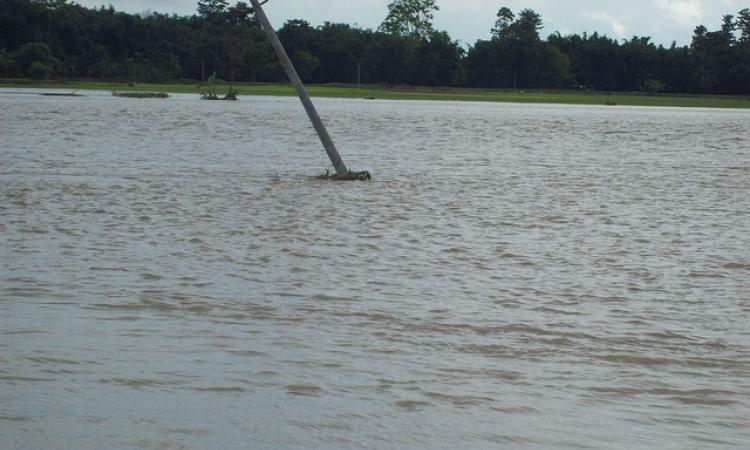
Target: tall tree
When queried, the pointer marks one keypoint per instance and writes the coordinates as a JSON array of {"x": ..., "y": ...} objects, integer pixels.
[
  {"x": 505, "y": 19},
  {"x": 212, "y": 8},
  {"x": 527, "y": 27},
  {"x": 411, "y": 18},
  {"x": 743, "y": 24},
  {"x": 728, "y": 26}
]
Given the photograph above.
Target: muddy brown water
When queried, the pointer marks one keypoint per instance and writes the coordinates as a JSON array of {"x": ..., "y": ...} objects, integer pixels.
[{"x": 521, "y": 276}]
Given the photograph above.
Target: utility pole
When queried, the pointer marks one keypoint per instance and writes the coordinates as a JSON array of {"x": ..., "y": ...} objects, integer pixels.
[{"x": 325, "y": 138}]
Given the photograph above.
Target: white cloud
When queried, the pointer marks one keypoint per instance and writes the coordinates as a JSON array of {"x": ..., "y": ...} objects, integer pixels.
[
  {"x": 683, "y": 12},
  {"x": 617, "y": 26}
]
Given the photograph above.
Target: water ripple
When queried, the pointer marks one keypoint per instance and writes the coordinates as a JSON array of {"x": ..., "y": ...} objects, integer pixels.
[{"x": 516, "y": 276}]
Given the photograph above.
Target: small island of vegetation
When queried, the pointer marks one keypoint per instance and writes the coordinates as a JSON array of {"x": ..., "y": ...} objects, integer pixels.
[{"x": 141, "y": 94}]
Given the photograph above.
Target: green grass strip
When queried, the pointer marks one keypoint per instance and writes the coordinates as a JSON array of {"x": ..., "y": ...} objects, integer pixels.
[{"x": 416, "y": 93}]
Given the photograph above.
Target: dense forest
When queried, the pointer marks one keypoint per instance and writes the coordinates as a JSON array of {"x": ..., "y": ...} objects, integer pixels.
[{"x": 46, "y": 39}]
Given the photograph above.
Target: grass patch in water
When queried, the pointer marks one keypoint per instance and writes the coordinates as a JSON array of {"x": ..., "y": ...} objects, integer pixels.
[
  {"x": 141, "y": 94},
  {"x": 60, "y": 94}
]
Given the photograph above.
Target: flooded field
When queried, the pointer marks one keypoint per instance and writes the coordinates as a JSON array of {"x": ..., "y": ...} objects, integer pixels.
[{"x": 521, "y": 276}]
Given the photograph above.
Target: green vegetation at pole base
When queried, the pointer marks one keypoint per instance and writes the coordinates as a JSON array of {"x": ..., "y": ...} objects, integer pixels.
[
  {"x": 348, "y": 176},
  {"x": 377, "y": 92}
]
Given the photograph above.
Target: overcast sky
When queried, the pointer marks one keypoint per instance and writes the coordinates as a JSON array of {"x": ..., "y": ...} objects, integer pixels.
[{"x": 468, "y": 20}]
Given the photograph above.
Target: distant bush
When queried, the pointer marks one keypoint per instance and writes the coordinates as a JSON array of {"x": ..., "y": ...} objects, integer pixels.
[
  {"x": 39, "y": 71},
  {"x": 6, "y": 65},
  {"x": 35, "y": 52},
  {"x": 653, "y": 87}
]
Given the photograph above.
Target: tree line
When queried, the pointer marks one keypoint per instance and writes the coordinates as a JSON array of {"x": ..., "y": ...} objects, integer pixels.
[{"x": 46, "y": 39}]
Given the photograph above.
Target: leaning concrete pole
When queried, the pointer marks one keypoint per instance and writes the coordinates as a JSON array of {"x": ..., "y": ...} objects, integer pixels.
[{"x": 325, "y": 138}]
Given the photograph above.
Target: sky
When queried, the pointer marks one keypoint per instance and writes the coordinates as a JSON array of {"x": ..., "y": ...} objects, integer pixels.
[{"x": 468, "y": 20}]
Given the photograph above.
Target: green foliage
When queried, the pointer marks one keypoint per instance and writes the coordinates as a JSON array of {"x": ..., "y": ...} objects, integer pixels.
[
  {"x": 555, "y": 68},
  {"x": 341, "y": 51},
  {"x": 211, "y": 86},
  {"x": 231, "y": 94},
  {"x": 516, "y": 57},
  {"x": 306, "y": 64},
  {"x": 743, "y": 25},
  {"x": 212, "y": 89},
  {"x": 34, "y": 52},
  {"x": 525, "y": 27},
  {"x": 212, "y": 8},
  {"x": 39, "y": 71},
  {"x": 72, "y": 41},
  {"x": 7, "y": 66},
  {"x": 272, "y": 71},
  {"x": 721, "y": 63},
  {"x": 505, "y": 19},
  {"x": 653, "y": 87},
  {"x": 441, "y": 61},
  {"x": 410, "y": 18}
]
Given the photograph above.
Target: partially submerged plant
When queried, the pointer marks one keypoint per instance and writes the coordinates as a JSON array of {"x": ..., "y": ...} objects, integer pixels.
[
  {"x": 348, "y": 176},
  {"x": 212, "y": 85},
  {"x": 231, "y": 94}
]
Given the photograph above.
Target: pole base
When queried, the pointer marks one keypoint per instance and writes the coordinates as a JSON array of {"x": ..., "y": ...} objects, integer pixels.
[{"x": 347, "y": 176}]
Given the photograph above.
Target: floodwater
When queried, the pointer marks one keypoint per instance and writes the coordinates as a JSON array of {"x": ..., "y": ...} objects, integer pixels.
[{"x": 520, "y": 276}]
